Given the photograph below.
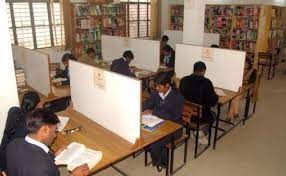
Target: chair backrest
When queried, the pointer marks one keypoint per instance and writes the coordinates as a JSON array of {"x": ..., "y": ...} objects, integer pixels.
[
  {"x": 264, "y": 57},
  {"x": 191, "y": 110}
]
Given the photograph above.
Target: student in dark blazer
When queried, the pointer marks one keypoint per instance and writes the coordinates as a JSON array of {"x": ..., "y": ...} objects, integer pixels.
[
  {"x": 169, "y": 57},
  {"x": 65, "y": 73},
  {"x": 121, "y": 65},
  {"x": 16, "y": 122},
  {"x": 166, "y": 103},
  {"x": 31, "y": 155}
]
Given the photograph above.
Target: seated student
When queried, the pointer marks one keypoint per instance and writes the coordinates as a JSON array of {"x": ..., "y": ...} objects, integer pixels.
[
  {"x": 89, "y": 57},
  {"x": 121, "y": 65},
  {"x": 31, "y": 155},
  {"x": 166, "y": 103},
  {"x": 16, "y": 124},
  {"x": 198, "y": 89},
  {"x": 169, "y": 57},
  {"x": 249, "y": 77},
  {"x": 65, "y": 73}
]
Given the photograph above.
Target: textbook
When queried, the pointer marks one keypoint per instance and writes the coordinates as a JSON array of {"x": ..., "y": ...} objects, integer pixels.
[
  {"x": 151, "y": 120},
  {"x": 76, "y": 155}
]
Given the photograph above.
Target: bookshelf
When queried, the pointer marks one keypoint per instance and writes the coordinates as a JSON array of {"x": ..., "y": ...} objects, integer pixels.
[
  {"x": 176, "y": 17},
  {"x": 236, "y": 24},
  {"x": 91, "y": 20}
]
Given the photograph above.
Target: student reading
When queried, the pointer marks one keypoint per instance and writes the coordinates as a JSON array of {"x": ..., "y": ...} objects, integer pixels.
[
  {"x": 198, "y": 89},
  {"x": 16, "y": 124},
  {"x": 31, "y": 155},
  {"x": 65, "y": 73},
  {"x": 89, "y": 57},
  {"x": 167, "y": 103},
  {"x": 121, "y": 65},
  {"x": 163, "y": 44}
]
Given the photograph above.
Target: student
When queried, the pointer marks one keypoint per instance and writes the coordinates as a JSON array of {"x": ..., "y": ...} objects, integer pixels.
[
  {"x": 121, "y": 65},
  {"x": 249, "y": 77},
  {"x": 163, "y": 44},
  {"x": 89, "y": 57},
  {"x": 16, "y": 124},
  {"x": 65, "y": 73},
  {"x": 31, "y": 155},
  {"x": 198, "y": 89},
  {"x": 167, "y": 103},
  {"x": 169, "y": 57}
]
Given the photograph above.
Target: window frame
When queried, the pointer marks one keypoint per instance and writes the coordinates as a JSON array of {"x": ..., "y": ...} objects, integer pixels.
[
  {"x": 33, "y": 26},
  {"x": 128, "y": 21}
]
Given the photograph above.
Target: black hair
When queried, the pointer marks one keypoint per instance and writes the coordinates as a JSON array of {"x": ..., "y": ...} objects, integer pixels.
[
  {"x": 30, "y": 101},
  {"x": 199, "y": 67},
  {"x": 128, "y": 54},
  {"x": 167, "y": 48},
  {"x": 90, "y": 50},
  {"x": 67, "y": 57},
  {"x": 39, "y": 118},
  {"x": 214, "y": 46},
  {"x": 165, "y": 38},
  {"x": 163, "y": 78}
]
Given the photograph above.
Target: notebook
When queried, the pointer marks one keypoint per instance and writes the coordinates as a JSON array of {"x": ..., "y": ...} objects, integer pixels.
[
  {"x": 76, "y": 155},
  {"x": 151, "y": 120},
  {"x": 63, "y": 122},
  {"x": 220, "y": 92}
]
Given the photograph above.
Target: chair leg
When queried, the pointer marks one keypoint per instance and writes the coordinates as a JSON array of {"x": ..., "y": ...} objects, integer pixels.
[
  {"x": 146, "y": 158},
  {"x": 254, "y": 108},
  {"x": 273, "y": 72},
  {"x": 172, "y": 160},
  {"x": 269, "y": 71},
  {"x": 168, "y": 159},
  {"x": 186, "y": 150},
  {"x": 262, "y": 70},
  {"x": 210, "y": 135},
  {"x": 196, "y": 142}
]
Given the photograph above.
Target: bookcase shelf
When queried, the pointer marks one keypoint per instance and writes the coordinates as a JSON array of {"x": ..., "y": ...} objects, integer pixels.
[{"x": 91, "y": 20}]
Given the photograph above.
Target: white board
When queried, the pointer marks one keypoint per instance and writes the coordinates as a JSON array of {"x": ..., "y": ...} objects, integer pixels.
[
  {"x": 225, "y": 70},
  {"x": 146, "y": 52},
  {"x": 37, "y": 72},
  {"x": 116, "y": 106},
  {"x": 175, "y": 37},
  {"x": 210, "y": 39}
]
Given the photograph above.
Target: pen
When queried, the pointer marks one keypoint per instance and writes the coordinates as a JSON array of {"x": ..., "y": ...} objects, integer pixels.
[{"x": 72, "y": 130}]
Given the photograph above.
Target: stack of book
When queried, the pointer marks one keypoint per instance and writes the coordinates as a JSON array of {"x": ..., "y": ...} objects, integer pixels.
[{"x": 20, "y": 78}]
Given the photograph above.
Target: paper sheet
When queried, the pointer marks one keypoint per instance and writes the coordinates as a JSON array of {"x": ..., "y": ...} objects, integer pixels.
[
  {"x": 63, "y": 122},
  {"x": 220, "y": 92}
]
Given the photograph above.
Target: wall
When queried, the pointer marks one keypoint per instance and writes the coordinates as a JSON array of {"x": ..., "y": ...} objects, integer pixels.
[
  {"x": 165, "y": 12},
  {"x": 8, "y": 88}
]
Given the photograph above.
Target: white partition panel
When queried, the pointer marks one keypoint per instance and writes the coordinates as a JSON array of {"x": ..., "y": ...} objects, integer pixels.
[
  {"x": 175, "y": 37},
  {"x": 210, "y": 38},
  {"x": 37, "y": 71},
  {"x": 146, "y": 52},
  {"x": 55, "y": 54},
  {"x": 224, "y": 67},
  {"x": 18, "y": 56},
  {"x": 116, "y": 104}
]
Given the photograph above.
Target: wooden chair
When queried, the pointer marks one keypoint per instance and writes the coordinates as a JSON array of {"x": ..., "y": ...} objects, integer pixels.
[
  {"x": 268, "y": 60},
  {"x": 192, "y": 116}
]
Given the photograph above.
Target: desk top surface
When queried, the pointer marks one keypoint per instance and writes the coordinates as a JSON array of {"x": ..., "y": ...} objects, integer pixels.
[{"x": 113, "y": 147}]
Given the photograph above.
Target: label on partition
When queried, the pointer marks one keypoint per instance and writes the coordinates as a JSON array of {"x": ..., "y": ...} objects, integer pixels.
[
  {"x": 99, "y": 78},
  {"x": 208, "y": 54}
]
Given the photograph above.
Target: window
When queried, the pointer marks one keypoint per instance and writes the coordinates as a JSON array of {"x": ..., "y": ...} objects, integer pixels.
[
  {"x": 138, "y": 17},
  {"x": 33, "y": 24}
]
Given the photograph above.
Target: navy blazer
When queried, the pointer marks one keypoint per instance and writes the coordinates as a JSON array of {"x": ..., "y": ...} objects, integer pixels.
[
  {"x": 64, "y": 74},
  {"x": 122, "y": 67},
  {"x": 25, "y": 159},
  {"x": 171, "y": 108}
]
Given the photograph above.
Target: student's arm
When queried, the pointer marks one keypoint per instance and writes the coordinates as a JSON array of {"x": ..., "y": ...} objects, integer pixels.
[
  {"x": 172, "y": 61},
  {"x": 149, "y": 103}
]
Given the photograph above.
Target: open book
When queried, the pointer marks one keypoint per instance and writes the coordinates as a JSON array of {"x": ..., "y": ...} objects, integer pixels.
[
  {"x": 76, "y": 155},
  {"x": 151, "y": 120},
  {"x": 220, "y": 92}
]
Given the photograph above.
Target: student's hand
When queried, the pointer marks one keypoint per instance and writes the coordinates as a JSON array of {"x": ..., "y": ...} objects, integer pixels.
[
  {"x": 147, "y": 112},
  {"x": 82, "y": 170},
  {"x": 60, "y": 150}
]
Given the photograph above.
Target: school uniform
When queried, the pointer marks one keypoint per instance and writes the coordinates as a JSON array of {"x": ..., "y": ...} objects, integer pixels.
[
  {"x": 121, "y": 66},
  {"x": 169, "y": 61},
  {"x": 15, "y": 128},
  {"x": 28, "y": 157},
  {"x": 64, "y": 74},
  {"x": 167, "y": 107},
  {"x": 198, "y": 89}
]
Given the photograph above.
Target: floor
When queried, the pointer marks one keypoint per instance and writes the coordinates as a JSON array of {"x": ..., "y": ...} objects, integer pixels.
[{"x": 255, "y": 149}]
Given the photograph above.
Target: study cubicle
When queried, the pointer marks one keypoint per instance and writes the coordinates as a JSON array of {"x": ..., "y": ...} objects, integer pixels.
[
  {"x": 224, "y": 68},
  {"x": 107, "y": 107},
  {"x": 176, "y": 37},
  {"x": 36, "y": 66}
]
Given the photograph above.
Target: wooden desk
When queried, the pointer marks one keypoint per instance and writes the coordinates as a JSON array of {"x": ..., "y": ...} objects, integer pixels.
[
  {"x": 113, "y": 147},
  {"x": 59, "y": 92},
  {"x": 146, "y": 74}
]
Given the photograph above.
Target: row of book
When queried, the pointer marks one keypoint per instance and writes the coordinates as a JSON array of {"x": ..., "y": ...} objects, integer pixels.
[
  {"x": 113, "y": 22},
  {"x": 177, "y": 10},
  {"x": 87, "y": 23},
  {"x": 87, "y": 10},
  {"x": 88, "y": 36},
  {"x": 246, "y": 11},
  {"x": 276, "y": 12},
  {"x": 243, "y": 45},
  {"x": 20, "y": 77},
  {"x": 219, "y": 10},
  {"x": 279, "y": 33},
  {"x": 219, "y": 21},
  {"x": 112, "y": 10},
  {"x": 114, "y": 32},
  {"x": 246, "y": 23},
  {"x": 276, "y": 23},
  {"x": 242, "y": 34}
]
